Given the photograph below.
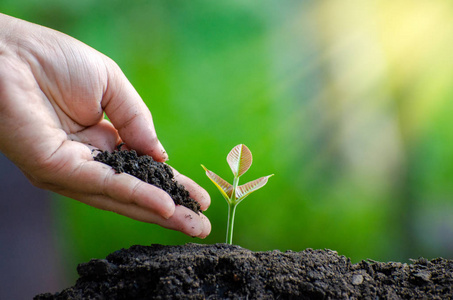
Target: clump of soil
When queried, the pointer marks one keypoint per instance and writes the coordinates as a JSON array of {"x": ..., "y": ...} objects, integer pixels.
[
  {"x": 146, "y": 169},
  {"x": 224, "y": 271}
]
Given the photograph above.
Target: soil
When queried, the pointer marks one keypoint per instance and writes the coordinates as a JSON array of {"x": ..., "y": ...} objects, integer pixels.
[
  {"x": 146, "y": 169},
  {"x": 224, "y": 271}
]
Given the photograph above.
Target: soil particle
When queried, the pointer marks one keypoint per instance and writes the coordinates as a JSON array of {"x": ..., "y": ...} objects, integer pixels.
[
  {"x": 224, "y": 271},
  {"x": 146, "y": 169}
]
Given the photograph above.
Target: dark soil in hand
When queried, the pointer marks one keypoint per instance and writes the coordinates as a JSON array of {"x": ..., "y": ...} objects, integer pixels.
[
  {"x": 230, "y": 272},
  {"x": 146, "y": 169}
]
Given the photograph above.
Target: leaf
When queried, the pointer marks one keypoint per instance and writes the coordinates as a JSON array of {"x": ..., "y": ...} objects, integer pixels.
[
  {"x": 239, "y": 159},
  {"x": 224, "y": 187},
  {"x": 248, "y": 188}
]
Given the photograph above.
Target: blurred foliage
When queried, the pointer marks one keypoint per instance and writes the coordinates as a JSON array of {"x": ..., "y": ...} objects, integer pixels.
[{"x": 348, "y": 103}]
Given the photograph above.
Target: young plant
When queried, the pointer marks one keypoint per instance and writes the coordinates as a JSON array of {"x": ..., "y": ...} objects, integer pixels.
[{"x": 240, "y": 160}]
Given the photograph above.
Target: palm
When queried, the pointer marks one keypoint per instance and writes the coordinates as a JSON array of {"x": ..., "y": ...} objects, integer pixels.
[{"x": 75, "y": 86}]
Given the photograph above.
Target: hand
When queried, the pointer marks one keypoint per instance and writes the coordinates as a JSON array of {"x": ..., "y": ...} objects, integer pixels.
[{"x": 54, "y": 91}]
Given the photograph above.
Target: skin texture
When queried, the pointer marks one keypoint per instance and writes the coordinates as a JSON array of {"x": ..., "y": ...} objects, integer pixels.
[{"x": 54, "y": 92}]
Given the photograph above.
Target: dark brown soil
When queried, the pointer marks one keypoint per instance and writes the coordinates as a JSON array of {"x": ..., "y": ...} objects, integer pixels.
[
  {"x": 146, "y": 169},
  {"x": 223, "y": 271}
]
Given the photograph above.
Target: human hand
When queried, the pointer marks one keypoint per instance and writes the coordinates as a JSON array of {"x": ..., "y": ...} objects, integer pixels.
[{"x": 54, "y": 91}]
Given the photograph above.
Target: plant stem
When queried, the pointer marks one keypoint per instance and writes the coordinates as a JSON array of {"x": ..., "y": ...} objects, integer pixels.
[
  {"x": 231, "y": 213},
  {"x": 235, "y": 186}
]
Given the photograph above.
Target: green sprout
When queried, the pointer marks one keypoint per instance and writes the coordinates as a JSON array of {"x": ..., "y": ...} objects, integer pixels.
[{"x": 240, "y": 160}]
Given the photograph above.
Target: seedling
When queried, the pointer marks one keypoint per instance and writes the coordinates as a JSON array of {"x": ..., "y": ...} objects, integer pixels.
[{"x": 240, "y": 160}]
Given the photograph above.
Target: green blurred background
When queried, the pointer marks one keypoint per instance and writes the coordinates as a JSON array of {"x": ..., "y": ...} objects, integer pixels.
[{"x": 348, "y": 103}]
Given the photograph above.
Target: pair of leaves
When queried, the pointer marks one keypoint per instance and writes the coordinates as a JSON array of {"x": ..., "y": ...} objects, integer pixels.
[{"x": 240, "y": 160}]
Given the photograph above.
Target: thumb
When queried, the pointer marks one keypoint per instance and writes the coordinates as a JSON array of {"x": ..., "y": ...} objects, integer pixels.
[{"x": 130, "y": 116}]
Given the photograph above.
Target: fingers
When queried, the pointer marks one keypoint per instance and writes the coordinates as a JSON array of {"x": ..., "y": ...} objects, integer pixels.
[
  {"x": 150, "y": 204},
  {"x": 188, "y": 222},
  {"x": 71, "y": 170},
  {"x": 130, "y": 116},
  {"x": 100, "y": 179},
  {"x": 96, "y": 184},
  {"x": 183, "y": 219},
  {"x": 104, "y": 136}
]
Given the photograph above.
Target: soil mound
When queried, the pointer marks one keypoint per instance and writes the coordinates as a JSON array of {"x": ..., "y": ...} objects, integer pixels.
[{"x": 224, "y": 271}]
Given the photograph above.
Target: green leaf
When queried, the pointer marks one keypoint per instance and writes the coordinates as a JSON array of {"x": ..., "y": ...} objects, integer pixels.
[
  {"x": 239, "y": 159},
  {"x": 248, "y": 188},
  {"x": 224, "y": 187}
]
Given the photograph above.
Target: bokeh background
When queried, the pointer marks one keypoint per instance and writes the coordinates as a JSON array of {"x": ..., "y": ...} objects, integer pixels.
[{"x": 348, "y": 103}]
